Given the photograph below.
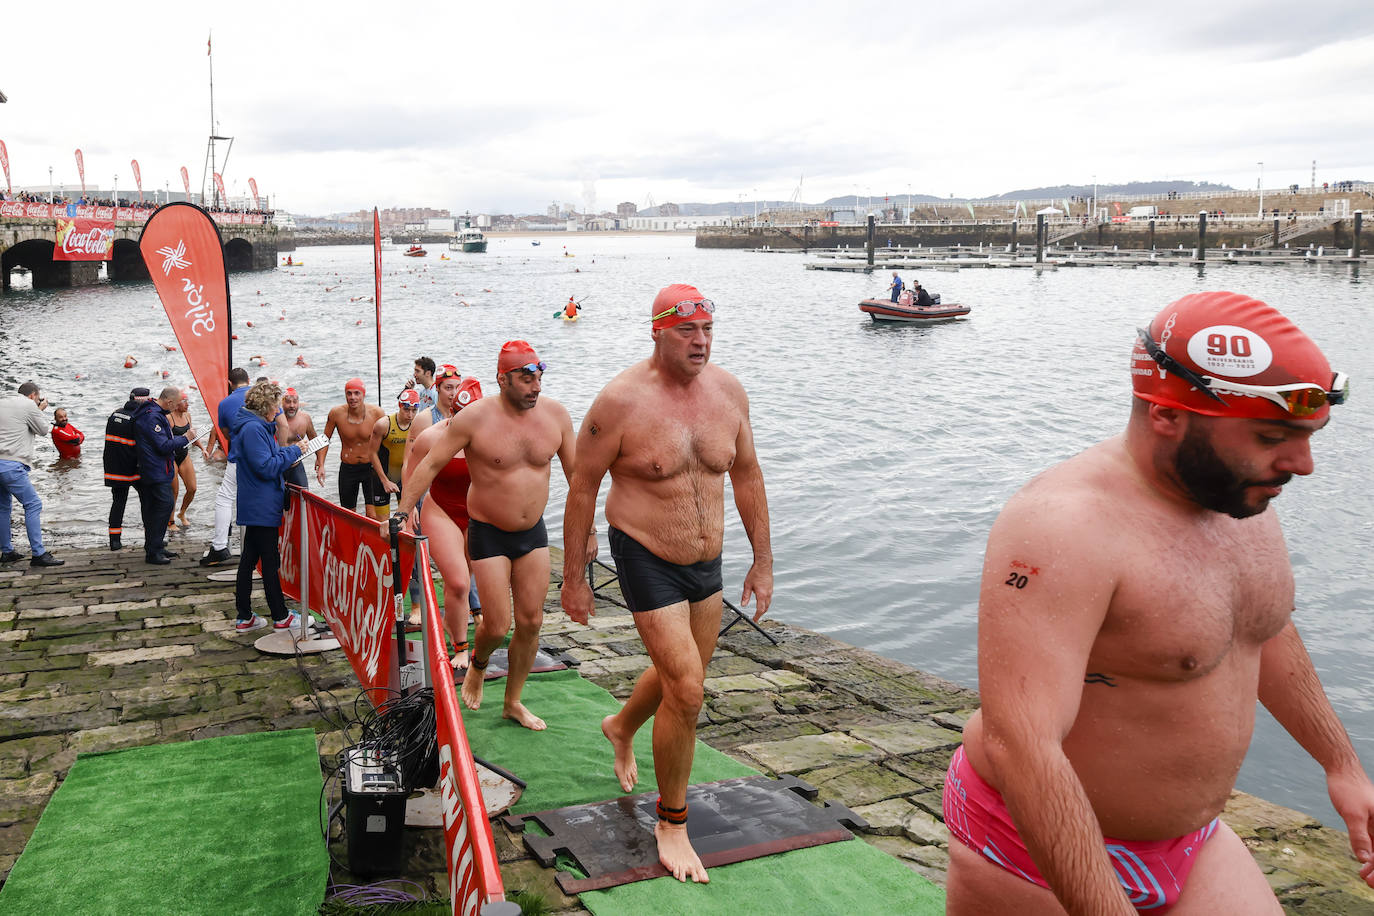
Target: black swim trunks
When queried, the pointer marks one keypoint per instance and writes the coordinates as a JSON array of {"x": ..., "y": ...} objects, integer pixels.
[
  {"x": 486, "y": 540},
  {"x": 650, "y": 582},
  {"x": 353, "y": 477}
]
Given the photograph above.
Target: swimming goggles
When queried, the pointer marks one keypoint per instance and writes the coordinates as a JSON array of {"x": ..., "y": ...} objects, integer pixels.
[
  {"x": 1301, "y": 399},
  {"x": 530, "y": 367},
  {"x": 687, "y": 308},
  {"x": 447, "y": 371}
]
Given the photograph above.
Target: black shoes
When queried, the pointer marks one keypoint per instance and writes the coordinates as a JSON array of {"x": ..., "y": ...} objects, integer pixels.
[
  {"x": 157, "y": 559},
  {"x": 215, "y": 557},
  {"x": 115, "y": 543},
  {"x": 45, "y": 559},
  {"x": 11, "y": 556},
  {"x": 169, "y": 553}
]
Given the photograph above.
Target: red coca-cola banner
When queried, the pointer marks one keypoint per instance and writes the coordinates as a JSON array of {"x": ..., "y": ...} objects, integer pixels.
[
  {"x": 81, "y": 170},
  {"x": 5, "y": 164},
  {"x": 349, "y": 563},
  {"x": 181, "y": 246},
  {"x": 219, "y": 186},
  {"x": 18, "y": 209},
  {"x": 138, "y": 179},
  {"x": 474, "y": 875},
  {"x": 253, "y": 186},
  {"x": 186, "y": 181},
  {"x": 81, "y": 239}
]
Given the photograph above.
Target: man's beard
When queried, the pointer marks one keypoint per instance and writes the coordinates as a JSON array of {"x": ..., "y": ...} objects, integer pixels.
[{"x": 1210, "y": 481}]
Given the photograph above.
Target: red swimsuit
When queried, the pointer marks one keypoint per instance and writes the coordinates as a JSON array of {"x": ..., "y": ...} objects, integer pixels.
[{"x": 450, "y": 491}]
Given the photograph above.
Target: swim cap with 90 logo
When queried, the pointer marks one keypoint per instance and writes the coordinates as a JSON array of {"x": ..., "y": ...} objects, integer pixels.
[{"x": 1224, "y": 335}]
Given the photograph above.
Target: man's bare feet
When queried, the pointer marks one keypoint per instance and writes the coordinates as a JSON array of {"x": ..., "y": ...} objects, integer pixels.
[
  {"x": 626, "y": 768},
  {"x": 472, "y": 687},
  {"x": 676, "y": 854},
  {"x": 182, "y": 518},
  {"x": 171, "y": 524},
  {"x": 460, "y": 660},
  {"x": 519, "y": 713}
]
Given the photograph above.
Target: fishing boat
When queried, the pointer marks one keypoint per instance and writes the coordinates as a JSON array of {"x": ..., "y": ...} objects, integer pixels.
[
  {"x": 388, "y": 244},
  {"x": 470, "y": 239},
  {"x": 534, "y": 242},
  {"x": 886, "y": 310},
  {"x": 415, "y": 251}
]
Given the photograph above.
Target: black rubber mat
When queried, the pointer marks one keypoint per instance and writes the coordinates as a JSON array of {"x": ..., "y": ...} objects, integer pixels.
[{"x": 612, "y": 842}]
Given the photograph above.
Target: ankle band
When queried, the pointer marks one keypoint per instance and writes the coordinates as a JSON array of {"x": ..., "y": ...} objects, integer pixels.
[
  {"x": 480, "y": 666},
  {"x": 676, "y": 816}
]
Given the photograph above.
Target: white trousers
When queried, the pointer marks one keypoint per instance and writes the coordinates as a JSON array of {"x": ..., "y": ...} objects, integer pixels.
[{"x": 225, "y": 498}]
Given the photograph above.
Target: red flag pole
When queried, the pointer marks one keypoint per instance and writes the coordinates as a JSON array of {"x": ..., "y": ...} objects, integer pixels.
[{"x": 377, "y": 297}]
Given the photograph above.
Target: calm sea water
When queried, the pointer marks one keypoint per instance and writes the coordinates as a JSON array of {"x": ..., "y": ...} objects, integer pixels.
[{"x": 888, "y": 451}]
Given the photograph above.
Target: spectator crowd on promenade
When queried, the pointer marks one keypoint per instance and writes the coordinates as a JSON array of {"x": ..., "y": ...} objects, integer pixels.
[{"x": 39, "y": 197}]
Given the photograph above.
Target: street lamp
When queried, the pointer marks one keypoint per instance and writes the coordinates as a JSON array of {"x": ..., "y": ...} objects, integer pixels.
[
  {"x": 1260, "y": 183},
  {"x": 49, "y": 184},
  {"x": 756, "y": 206},
  {"x": 116, "y": 191}
]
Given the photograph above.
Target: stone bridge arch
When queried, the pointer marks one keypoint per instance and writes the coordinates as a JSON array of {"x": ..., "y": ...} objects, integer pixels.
[
  {"x": 36, "y": 255},
  {"x": 126, "y": 261}
]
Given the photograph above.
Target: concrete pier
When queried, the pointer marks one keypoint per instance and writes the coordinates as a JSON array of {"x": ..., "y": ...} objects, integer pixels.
[{"x": 107, "y": 652}]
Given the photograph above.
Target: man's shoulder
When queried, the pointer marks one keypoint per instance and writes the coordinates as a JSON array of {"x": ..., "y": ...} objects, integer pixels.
[{"x": 1079, "y": 498}]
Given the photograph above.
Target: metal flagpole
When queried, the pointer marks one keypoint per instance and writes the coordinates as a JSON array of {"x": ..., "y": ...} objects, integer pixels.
[{"x": 305, "y": 565}]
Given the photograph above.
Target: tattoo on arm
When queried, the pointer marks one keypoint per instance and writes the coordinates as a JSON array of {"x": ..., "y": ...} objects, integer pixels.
[
  {"x": 1020, "y": 574},
  {"x": 1096, "y": 677},
  {"x": 593, "y": 429}
]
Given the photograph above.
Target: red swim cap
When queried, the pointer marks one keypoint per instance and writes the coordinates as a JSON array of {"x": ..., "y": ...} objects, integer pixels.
[
  {"x": 1227, "y": 337},
  {"x": 409, "y": 397},
  {"x": 469, "y": 391},
  {"x": 514, "y": 354},
  {"x": 355, "y": 384},
  {"x": 667, "y": 300}
]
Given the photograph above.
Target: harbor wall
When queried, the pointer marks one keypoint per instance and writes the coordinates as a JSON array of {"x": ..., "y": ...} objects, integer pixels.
[{"x": 1134, "y": 235}]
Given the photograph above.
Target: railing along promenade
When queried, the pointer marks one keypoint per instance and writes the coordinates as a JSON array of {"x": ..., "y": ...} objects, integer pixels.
[{"x": 29, "y": 210}]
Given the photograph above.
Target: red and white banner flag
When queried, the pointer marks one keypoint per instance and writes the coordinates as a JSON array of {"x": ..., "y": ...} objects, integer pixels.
[
  {"x": 83, "y": 238},
  {"x": 349, "y": 563},
  {"x": 185, "y": 257},
  {"x": 219, "y": 185},
  {"x": 81, "y": 170},
  {"x": 253, "y": 186},
  {"x": 138, "y": 179},
  {"x": 186, "y": 182},
  {"x": 377, "y": 297},
  {"x": 474, "y": 875},
  {"x": 5, "y": 164}
]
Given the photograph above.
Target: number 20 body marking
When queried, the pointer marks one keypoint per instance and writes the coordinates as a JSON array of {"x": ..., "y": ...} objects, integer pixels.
[{"x": 1018, "y": 579}]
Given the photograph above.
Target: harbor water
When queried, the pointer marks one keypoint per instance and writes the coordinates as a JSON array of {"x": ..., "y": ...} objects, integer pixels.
[{"x": 888, "y": 450}]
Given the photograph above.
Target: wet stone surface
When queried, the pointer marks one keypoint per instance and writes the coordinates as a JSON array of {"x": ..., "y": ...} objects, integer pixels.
[{"x": 107, "y": 653}]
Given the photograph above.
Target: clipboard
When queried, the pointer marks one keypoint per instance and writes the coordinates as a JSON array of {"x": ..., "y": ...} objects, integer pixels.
[{"x": 310, "y": 447}]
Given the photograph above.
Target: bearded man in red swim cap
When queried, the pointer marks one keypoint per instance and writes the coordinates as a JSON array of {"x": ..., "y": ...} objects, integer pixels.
[
  {"x": 668, "y": 429},
  {"x": 1136, "y": 601}
]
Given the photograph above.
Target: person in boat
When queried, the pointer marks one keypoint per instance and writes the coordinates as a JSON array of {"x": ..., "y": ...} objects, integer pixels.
[
  {"x": 919, "y": 297},
  {"x": 668, "y": 429},
  {"x": 1151, "y": 577},
  {"x": 509, "y": 441},
  {"x": 570, "y": 310},
  {"x": 895, "y": 287}
]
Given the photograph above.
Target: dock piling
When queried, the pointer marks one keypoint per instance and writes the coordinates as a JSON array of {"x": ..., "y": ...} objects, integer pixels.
[
  {"x": 1014, "y": 224},
  {"x": 1201, "y": 235},
  {"x": 1359, "y": 221},
  {"x": 870, "y": 240},
  {"x": 1040, "y": 238}
]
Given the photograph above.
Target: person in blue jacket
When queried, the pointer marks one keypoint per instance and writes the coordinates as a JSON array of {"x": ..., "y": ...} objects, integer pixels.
[
  {"x": 156, "y": 445},
  {"x": 262, "y": 465},
  {"x": 895, "y": 286}
]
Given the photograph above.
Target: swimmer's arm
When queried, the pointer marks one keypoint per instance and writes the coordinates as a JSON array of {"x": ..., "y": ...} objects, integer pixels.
[
  {"x": 751, "y": 499},
  {"x": 598, "y": 446},
  {"x": 1290, "y": 689},
  {"x": 1034, "y": 641},
  {"x": 329, "y": 424},
  {"x": 450, "y": 441},
  {"x": 283, "y": 429},
  {"x": 379, "y": 430}
]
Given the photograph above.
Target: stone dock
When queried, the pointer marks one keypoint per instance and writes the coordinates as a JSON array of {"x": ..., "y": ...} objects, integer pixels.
[{"x": 107, "y": 653}]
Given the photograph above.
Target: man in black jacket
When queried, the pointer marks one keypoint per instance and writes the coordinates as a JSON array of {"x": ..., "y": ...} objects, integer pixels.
[
  {"x": 121, "y": 461},
  {"x": 156, "y": 444}
]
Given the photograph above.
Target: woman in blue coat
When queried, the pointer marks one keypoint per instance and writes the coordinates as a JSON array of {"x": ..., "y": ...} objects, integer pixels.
[{"x": 262, "y": 465}]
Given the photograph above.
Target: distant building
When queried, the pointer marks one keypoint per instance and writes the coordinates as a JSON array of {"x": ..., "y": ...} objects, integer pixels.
[
  {"x": 625, "y": 209},
  {"x": 674, "y": 223},
  {"x": 439, "y": 224},
  {"x": 669, "y": 209}
]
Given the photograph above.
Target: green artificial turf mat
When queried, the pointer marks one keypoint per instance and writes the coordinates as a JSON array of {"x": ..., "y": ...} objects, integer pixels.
[
  {"x": 224, "y": 825},
  {"x": 570, "y": 763},
  {"x": 845, "y": 877}
]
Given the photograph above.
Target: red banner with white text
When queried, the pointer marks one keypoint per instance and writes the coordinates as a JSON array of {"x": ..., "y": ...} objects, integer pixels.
[
  {"x": 349, "y": 575},
  {"x": 81, "y": 239},
  {"x": 186, "y": 181},
  {"x": 81, "y": 170},
  {"x": 474, "y": 875},
  {"x": 138, "y": 179},
  {"x": 181, "y": 246},
  {"x": 219, "y": 185},
  {"x": 253, "y": 187},
  {"x": 19, "y": 209},
  {"x": 5, "y": 164}
]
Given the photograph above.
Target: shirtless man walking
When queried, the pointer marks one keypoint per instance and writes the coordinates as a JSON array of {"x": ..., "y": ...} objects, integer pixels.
[
  {"x": 294, "y": 426},
  {"x": 509, "y": 442},
  {"x": 1136, "y": 601},
  {"x": 389, "y": 440},
  {"x": 354, "y": 421},
  {"x": 668, "y": 429}
]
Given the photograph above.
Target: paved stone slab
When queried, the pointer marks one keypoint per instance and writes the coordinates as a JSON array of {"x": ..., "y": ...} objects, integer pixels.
[
  {"x": 129, "y": 656},
  {"x": 807, "y": 752},
  {"x": 906, "y": 737},
  {"x": 736, "y": 682}
]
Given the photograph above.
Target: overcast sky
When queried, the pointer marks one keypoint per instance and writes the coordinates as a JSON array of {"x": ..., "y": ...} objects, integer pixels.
[{"x": 504, "y": 107}]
